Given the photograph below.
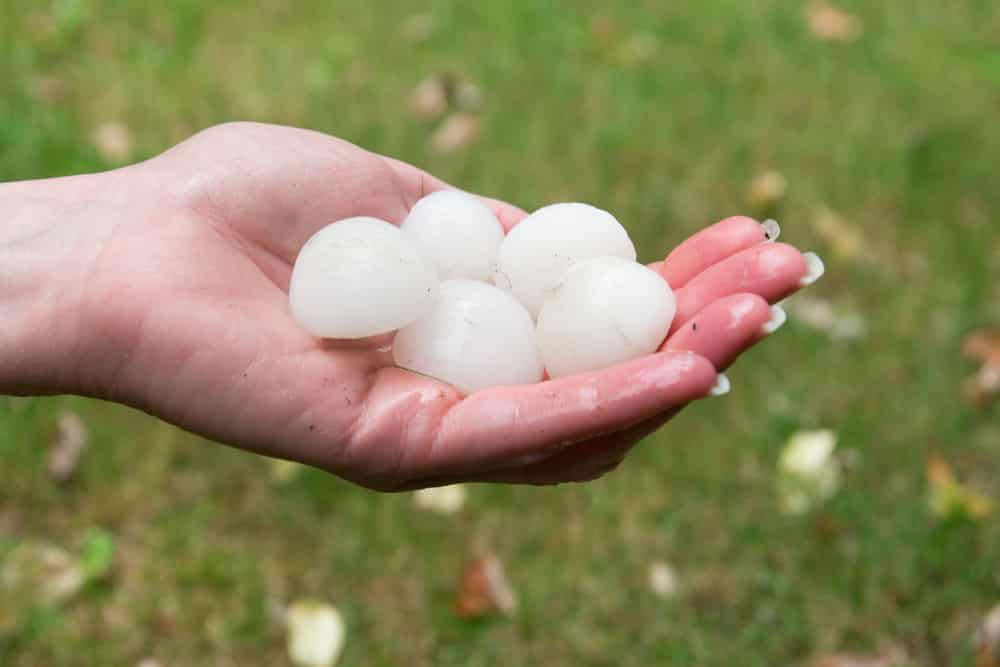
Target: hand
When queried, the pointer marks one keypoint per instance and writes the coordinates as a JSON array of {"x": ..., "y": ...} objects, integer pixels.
[{"x": 174, "y": 293}]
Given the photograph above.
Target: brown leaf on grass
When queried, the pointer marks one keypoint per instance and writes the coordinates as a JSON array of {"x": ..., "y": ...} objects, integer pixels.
[
  {"x": 484, "y": 590},
  {"x": 51, "y": 89},
  {"x": 70, "y": 441},
  {"x": 417, "y": 28},
  {"x": 983, "y": 347},
  {"x": 832, "y": 24},
  {"x": 891, "y": 659},
  {"x": 430, "y": 98},
  {"x": 988, "y": 640},
  {"x": 767, "y": 189},
  {"x": 949, "y": 498},
  {"x": 40, "y": 572},
  {"x": 456, "y": 132},
  {"x": 113, "y": 142},
  {"x": 843, "y": 237},
  {"x": 603, "y": 29}
]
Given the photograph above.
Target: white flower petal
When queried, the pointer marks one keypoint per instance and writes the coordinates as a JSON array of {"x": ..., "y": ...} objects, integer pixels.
[
  {"x": 442, "y": 499},
  {"x": 315, "y": 633}
]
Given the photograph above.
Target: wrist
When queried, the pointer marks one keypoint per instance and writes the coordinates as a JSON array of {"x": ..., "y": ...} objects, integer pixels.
[{"x": 48, "y": 239}]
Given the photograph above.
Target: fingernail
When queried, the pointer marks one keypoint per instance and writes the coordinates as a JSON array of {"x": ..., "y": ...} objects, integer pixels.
[
  {"x": 778, "y": 318},
  {"x": 772, "y": 230},
  {"x": 815, "y": 269},
  {"x": 721, "y": 386}
]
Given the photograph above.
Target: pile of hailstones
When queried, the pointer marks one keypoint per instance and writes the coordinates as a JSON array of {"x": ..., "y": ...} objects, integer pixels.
[{"x": 561, "y": 293}]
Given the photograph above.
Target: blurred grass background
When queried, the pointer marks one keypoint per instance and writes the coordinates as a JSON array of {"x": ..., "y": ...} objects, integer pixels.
[{"x": 664, "y": 113}]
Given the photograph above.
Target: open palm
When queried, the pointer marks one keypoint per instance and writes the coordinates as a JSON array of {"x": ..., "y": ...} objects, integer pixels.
[{"x": 189, "y": 300}]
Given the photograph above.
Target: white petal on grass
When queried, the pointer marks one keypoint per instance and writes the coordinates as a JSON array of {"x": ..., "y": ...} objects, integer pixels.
[
  {"x": 316, "y": 633},
  {"x": 663, "y": 579},
  {"x": 441, "y": 499},
  {"x": 808, "y": 471}
]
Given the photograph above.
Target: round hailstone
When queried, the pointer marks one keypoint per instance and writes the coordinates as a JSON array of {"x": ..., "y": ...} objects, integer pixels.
[
  {"x": 476, "y": 336},
  {"x": 360, "y": 277},
  {"x": 538, "y": 250},
  {"x": 605, "y": 310},
  {"x": 457, "y": 232}
]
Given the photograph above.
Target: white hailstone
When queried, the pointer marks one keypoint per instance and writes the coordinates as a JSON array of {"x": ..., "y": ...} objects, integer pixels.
[
  {"x": 360, "y": 277},
  {"x": 539, "y": 249},
  {"x": 458, "y": 233},
  {"x": 604, "y": 311},
  {"x": 476, "y": 336}
]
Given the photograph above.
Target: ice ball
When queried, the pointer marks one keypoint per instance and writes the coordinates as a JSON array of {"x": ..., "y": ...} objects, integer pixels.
[
  {"x": 604, "y": 311},
  {"x": 360, "y": 277},
  {"x": 458, "y": 233},
  {"x": 475, "y": 336},
  {"x": 538, "y": 250}
]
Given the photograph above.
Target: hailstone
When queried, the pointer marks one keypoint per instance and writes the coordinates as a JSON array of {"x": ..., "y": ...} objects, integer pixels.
[
  {"x": 458, "y": 233},
  {"x": 476, "y": 336},
  {"x": 604, "y": 311},
  {"x": 538, "y": 250},
  {"x": 360, "y": 277}
]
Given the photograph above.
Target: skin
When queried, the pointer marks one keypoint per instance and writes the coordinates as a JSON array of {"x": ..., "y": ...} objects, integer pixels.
[{"x": 163, "y": 286}]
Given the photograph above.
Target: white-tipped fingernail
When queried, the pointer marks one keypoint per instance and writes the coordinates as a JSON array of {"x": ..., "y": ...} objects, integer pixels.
[
  {"x": 721, "y": 386},
  {"x": 778, "y": 318},
  {"x": 815, "y": 269},
  {"x": 772, "y": 230}
]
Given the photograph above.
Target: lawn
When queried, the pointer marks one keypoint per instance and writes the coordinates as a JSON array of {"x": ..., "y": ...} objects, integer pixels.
[{"x": 663, "y": 113}]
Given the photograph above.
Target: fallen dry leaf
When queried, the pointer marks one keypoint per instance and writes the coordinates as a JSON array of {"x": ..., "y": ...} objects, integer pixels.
[
  {"x": 663, "y": 579},
  {"x": 441, "y": 499},
  {"x": 983, "y": 346},
  {"x": 113, "y": 142},
  {"x": 42, "y": 572},
  {"x": 892, "y": 659},
  {"x": 949, "y": 498},
  {"x": 430, "y": 98},
  {"x": 417, "y": 28},
  {"x": 832, "y": 24},
  {"x": 843, "y": 237},
  {"x": 766, "y": 190},
  {"x": 484, "y": 590},
  {"x": 316, "y": 633},
  {"x": 456, "y": 132},
  {"x": 148, "y": 662},
  {"x": 988, "y": 640},
  {"x": 64, "y": 453},
  {"x": 51, "y": 89}
]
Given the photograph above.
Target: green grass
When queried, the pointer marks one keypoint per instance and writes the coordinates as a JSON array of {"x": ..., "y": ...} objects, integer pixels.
[{"x": 896, "y": 132}]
